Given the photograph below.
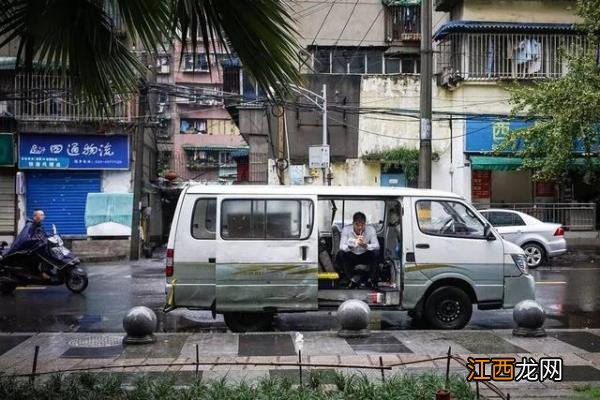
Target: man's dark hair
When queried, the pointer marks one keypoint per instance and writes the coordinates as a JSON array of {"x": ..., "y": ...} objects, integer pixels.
[{"x": 359, "y": 217}]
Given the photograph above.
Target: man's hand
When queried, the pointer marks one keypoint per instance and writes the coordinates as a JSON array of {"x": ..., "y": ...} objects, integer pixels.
[{"x": 360, "y": 240}]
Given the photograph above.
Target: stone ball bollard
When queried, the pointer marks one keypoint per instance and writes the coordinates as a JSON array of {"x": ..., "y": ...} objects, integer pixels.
[
  {"x": 140, "y": 324},
  {"x": 529, "y": 317},
  {"x": 354, "y": 316}
]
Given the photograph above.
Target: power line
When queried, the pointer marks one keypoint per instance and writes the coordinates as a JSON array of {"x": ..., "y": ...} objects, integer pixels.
[{"x": 323, "y": 22}]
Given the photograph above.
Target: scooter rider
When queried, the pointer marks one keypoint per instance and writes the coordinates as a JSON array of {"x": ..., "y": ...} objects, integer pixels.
[{"x": 34, "y": 239}]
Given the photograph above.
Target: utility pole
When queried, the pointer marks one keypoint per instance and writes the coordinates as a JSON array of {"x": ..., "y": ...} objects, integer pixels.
[
  {"x": 325, "y": 171},
  {"x": 426, "y": 77},
  {"x": 280, "y": 145},
  {"x": 134, "y": 250}
]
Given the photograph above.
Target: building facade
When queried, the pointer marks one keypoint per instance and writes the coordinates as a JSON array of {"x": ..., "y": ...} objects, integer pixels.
[{"x": 198, "y": 139}]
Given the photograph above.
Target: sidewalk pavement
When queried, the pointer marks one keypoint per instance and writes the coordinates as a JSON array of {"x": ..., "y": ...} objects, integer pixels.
[{"x": 579, "y": 350}]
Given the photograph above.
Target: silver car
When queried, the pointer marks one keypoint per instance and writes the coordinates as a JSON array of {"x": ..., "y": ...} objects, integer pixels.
[{"x": 540, "y": 240}]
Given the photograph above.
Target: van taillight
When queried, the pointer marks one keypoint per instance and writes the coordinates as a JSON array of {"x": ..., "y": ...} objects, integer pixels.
[
  {"x": 169, "y": 263},
  {"x": 560, "y": 231}
]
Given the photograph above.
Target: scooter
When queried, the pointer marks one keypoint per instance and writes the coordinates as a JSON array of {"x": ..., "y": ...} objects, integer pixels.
[{"x": 32, "y": 269}]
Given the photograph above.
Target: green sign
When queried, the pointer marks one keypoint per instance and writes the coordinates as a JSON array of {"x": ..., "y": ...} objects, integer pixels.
[{"x": 7, "y": 150}]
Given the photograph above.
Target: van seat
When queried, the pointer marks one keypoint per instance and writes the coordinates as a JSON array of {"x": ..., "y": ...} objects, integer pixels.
[{"x": 329, "y": 276}]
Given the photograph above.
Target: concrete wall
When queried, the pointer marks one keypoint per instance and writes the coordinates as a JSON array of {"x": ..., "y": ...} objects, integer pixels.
[
  {"x": 117, "y": 182},
  {"x": 310, "y": 15},
  {"x": 557, "y": 11}
]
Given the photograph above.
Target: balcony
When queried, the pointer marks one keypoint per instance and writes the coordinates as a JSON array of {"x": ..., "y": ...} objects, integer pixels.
[
  {"x": 495, "y": 56},
  {"x": 49, "y": 98},
  {"x": 403, "y": 23}
]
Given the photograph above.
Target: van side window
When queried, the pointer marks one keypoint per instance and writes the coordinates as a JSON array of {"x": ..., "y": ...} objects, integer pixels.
[
  {"x": 266, "y": 219},
  {"x": 448, "y": 218},
  {"x": 204, "y": 219}
]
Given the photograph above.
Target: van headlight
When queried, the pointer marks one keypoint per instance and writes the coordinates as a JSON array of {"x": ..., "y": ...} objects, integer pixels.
[{"x": 521, "y": 262}]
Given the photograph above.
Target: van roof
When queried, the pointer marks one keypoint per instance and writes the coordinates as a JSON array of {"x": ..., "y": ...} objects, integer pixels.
[{"x": 317, "y": 190}]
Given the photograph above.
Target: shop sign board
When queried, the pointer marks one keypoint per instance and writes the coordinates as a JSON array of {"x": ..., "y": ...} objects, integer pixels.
[
  {"x": 481, "y": 185},
  {"x": 73, "y": 152}
]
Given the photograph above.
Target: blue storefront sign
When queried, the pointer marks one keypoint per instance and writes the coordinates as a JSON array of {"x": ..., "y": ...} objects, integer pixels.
[
  {"x": 485, "y": 133},
  {"x": 73, "y": 152}
]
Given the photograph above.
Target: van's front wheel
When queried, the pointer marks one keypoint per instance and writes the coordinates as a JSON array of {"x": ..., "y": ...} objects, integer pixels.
[
  {"x": 249, "y": 322},
  {"x": 448, "y": 307}
]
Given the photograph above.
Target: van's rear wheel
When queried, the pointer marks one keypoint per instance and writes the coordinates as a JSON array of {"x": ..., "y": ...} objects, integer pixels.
[
  {"x": 249, "y": 322},
  {"x": 448, "y": 307}
]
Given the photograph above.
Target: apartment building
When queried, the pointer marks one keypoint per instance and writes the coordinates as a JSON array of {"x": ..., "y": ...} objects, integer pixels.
[{"x": 198, "y": 139}]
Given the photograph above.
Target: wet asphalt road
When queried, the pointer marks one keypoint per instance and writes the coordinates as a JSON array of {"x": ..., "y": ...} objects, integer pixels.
[{"x": 570, "y": 296}]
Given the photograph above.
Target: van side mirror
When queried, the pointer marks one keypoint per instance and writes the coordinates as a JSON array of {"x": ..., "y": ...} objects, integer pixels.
[{"x": 487, "y": 233}]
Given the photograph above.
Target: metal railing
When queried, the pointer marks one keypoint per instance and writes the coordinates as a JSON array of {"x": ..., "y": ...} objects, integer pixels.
[
  {"x": 573, "y": 216},
  {"x": 50, "y": 98},
  {"x": 489, "y": 56}
]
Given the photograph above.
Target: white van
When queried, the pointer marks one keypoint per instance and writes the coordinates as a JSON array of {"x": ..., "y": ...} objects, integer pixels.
[{"x": 250, "y": 252}]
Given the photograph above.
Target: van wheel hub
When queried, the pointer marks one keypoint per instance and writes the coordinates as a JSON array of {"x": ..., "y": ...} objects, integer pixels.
[{"x": 448, "y": 310}]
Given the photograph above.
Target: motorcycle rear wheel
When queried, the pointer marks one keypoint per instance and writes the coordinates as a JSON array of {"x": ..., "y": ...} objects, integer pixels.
[
  {"x": 76, "y": 283},
  {"x": 7, "y": 288}
]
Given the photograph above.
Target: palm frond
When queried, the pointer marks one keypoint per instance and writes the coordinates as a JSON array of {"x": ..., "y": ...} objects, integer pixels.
[{"x": 260, "y": 32}]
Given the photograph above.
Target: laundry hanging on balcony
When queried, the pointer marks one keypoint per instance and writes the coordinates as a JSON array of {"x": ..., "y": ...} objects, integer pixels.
[{"x": 395, "y": 3}]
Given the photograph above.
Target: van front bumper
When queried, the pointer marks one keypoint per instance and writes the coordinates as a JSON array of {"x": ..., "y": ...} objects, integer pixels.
[{"x": 518, "y": 288}]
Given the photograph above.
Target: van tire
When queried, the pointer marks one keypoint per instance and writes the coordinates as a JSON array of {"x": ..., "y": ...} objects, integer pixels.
[
  {"x": 448, "y": 307},
  {"x": 249, "y": 322}
]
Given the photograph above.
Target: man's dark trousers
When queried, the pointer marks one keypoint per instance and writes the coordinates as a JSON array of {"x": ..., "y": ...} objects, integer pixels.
[{"x": 349, "y": 260}]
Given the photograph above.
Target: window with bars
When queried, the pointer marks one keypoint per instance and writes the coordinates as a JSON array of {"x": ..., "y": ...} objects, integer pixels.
[
  {"x": 199, "y": 63},
  {"x": 363, "y": 61},
  {"x": 481, "y": 56},
  {"x": 403, "y": 23}
]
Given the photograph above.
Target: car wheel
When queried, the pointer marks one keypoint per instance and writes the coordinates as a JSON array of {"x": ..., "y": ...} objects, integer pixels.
[
  {"x": 249, "y": 322},
  {"x": 535, "y": 255},
  {"x": 448, "y": 307}
]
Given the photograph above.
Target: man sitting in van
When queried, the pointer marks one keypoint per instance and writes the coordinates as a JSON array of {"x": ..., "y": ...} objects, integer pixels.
[{"x": 358, "y": 245}]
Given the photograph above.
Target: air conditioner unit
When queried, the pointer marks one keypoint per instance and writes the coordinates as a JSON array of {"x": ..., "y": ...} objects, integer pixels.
[
  {"x": 164, "y": 69},
  {"x": 449, "y": 78}
]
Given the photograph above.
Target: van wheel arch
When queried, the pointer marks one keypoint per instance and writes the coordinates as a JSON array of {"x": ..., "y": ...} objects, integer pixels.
[{"x": 417, "y": 313}]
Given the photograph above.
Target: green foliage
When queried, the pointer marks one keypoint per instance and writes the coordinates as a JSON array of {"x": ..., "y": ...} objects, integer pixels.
[
  {"x": 566, "y": 110},
  {"x": 80, "y": 39},
  {"x": 589, "y": 391},
  {"x": 108, "y": 387},
  {"x": 398, "y": 157}
]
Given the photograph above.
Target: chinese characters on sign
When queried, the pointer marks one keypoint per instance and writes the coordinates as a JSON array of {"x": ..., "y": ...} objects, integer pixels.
[
  {"x": 73, "y": 152},
  {"x": 481, "y": 185},
  {"x": 509, "y": 369}
]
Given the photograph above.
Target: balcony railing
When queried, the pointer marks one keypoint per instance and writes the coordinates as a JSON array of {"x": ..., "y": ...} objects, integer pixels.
[
  {"x": 490, "y": 56},
  {"x": 573, "y": 216},
  {"x": 49, "y": 98}
]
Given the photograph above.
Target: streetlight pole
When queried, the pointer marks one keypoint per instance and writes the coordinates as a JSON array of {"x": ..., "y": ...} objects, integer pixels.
[
  {"x": 325, "y": 171},
  {"x": 323, "y": 107},
  {"x": 426, "y": 77}
]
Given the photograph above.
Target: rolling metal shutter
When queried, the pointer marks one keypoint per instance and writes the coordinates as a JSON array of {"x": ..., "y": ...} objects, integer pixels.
[
  {"x": 62, "y": 196},
  {"x": 7, "y": 202}
]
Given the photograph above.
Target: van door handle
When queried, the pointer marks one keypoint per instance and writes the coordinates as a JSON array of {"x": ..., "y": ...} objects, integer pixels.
[
  {"x": 212, "y": 260},
  {"x": 303, "y": 252},
  {"x": 422, "y": 246}
]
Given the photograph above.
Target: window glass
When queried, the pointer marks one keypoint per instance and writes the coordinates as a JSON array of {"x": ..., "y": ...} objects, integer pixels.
[
  {"x": 448, "y": 218},
  {"x": 374, "y": 210},
  {"x": 326, "y": 215},
  {"x": 322, "y": 61},
  {"x": 374, "y": 62},
  {"x": 266, "y": 219},
  {"x": 517, "y": 220},
  {"x": 339, "y": 62},
  {"x": 392, "y": 65},
  {"x": 409, "y": 66},
  {"x": 357, "y": 62},
  {"x": 201, "y": 63},
  {"x": 204, "y": 219}
]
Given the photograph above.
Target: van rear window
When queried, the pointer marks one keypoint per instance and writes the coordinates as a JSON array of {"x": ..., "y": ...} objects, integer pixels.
[
  {"x": 266, "y": 219},
  {"x": 204, "y": 219}
]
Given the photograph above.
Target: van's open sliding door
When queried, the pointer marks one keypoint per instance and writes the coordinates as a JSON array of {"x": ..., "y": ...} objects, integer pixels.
[{"x": 267, "y": 253}]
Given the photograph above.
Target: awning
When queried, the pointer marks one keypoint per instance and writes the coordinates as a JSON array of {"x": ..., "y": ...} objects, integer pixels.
[
  {"x": 491, "y": 163},
  {"x": 393, "y": 3},
  {"x": 191, "y": 147},
  {"x": 500, "y": 27}
]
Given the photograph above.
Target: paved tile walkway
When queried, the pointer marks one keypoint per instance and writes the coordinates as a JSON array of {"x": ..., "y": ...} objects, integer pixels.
[{"x": 579, "y": 350}]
